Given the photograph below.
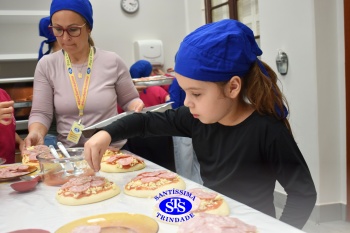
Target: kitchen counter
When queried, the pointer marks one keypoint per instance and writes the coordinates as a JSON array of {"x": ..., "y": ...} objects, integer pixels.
[{"x": 39, "y": 208}]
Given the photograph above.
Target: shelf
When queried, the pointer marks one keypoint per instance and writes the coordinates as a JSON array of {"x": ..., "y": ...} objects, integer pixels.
[
  {"x": 18, "y": 57},
  {"x": 16, "y": 80},
  {"x": 22, "y": 16}
]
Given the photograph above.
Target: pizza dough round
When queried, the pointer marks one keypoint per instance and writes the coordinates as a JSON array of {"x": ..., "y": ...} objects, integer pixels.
[
  {"x": 105, "y": 167},
  {"x": 67, "y": 200},
  {"x": 150, "y": 193},
  {"x": 223, "y": 210},
  {"x": 207, "y": 200}
]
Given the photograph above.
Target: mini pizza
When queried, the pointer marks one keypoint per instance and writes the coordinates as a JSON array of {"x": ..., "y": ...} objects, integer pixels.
[
  {"x": 209, "y": 223},
  {"x": 150, "y": 184},
  {"x": 29, "y": 154},
  {"x": 209, "y": 202},
  {"x": 86, "y": 190},
  {"x": 117, "y": 161}
]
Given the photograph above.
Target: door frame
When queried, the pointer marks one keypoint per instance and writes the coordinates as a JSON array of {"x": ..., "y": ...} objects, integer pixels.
[{"x": 347, "y": 99}]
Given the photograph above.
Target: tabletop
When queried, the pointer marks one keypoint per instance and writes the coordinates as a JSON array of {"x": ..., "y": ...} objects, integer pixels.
[{"x": 39, "y": 208}]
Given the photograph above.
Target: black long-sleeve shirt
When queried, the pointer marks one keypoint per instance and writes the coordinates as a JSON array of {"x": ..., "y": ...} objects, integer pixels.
[{"x": 242, "y": 161}]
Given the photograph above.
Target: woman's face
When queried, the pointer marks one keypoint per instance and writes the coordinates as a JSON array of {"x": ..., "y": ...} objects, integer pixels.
[
  {"x": 66, "y": 19},
  {"x": 206, "y": 100}
]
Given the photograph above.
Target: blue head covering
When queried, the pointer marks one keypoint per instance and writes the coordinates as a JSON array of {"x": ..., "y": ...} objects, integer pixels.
[
  {"x": 217, "y": 51},
  {"x": 82, "y": 7},
  {"x": 45, "y": 32},
  {"x": 141, "y": 68}
]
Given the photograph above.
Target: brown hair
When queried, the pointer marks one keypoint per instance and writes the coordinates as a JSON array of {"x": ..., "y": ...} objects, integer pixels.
[
  {"x": 264, "y": 94},
  {"x": 90, "y": 40}
]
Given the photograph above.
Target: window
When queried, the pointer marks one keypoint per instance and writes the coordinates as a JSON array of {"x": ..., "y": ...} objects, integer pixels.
[{"x": 245, "y": 11}]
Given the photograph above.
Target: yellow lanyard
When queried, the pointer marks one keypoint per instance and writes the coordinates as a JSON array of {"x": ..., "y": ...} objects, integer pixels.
[{"x": 80, "y": 99}]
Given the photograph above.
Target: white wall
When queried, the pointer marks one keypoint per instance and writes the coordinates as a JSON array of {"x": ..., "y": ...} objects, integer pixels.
[
  {"x": 165, "y": 20},
  {"x": 310, "y": 32}
]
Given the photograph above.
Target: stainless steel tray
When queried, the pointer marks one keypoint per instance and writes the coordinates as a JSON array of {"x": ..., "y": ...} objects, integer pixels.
[
  {"x": 89, "y": 131},
  {"x": 158, "y": 80}
]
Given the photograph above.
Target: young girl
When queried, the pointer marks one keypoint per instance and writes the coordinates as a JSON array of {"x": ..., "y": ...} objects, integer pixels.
[
  {"x": 236, "y": 116},
  {"x": 9, "y": 139}
]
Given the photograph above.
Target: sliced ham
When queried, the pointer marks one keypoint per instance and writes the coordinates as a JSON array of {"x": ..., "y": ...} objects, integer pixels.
[
  {"x": 150, "y": 179},
  {"x": 168, "y": 175},
  {"x": 87, "y": 229},
  {"x": 97, "y": 183},
  {"x": 125, "y": 161},
  {"x": 112, "y": 159},
  {"x": 79, "y": 188},
  {"x": 13, "y": 171},
  {"x": 149, "y": 174},
  {"x": 202, "y": 194},
  {"x": 210, "y": 223},
  {"x": 23, "y": 168}
]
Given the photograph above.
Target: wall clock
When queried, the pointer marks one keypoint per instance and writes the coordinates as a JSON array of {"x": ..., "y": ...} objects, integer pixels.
[{"x": 130, "y": 6}]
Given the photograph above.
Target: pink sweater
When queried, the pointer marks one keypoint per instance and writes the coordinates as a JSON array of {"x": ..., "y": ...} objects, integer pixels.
[{"x": 110, "y": 84}]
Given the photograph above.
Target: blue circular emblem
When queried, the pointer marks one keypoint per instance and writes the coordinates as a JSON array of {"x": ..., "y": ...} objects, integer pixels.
[
  {"x": 175, "y": 205},
  {"x": 77, "y": 130},
  {"x": 88, "y": 71},
  {"x": 70, "y": 70}
]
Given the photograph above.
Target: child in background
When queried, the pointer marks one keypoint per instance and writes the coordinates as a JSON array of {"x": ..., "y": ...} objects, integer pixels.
[
  {"x": 152, "y": 95},
  {"x": 9, "y": 139},
  {"x": 51, "y": 40},
  {"x": 156, "y": 149},
  {"x": 237, "y": 118}
]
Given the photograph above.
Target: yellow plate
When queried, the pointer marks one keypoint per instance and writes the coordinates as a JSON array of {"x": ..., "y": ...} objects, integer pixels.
[{"x": 115, "y": 222}]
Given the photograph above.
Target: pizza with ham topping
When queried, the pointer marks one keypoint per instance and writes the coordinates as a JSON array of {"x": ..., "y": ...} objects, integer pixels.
[
  {"x": 86, "y": 190},
  {"x": 30, "y": 153},
  {"x": 150, "y": 184},
  {"x": 121, "y": 161},
  {"x": 209, "y": 202},
  {"x": 210, "y": 223}
]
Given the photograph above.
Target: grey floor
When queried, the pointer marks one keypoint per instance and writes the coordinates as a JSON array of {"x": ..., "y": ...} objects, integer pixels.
[
  {"x": 324, "y": 227},
  {"x": 327, "y": 227}
]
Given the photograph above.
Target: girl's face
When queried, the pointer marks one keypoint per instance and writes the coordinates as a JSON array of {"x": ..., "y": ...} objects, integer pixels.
[
  {"x": 207, "y": 101},
  {"x": 67, "y": 19}
]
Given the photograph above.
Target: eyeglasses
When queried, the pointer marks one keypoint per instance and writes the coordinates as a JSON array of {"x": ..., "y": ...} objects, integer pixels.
[{"x": 73, "y": 31}]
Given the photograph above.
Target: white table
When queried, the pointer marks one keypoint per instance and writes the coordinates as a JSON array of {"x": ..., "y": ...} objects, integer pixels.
[{"x": 39, "y": 208}]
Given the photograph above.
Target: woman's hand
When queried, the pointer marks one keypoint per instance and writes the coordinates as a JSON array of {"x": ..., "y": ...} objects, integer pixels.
[
  {"x": 6, "y": 112},
  {"x": 95, "y": 147},
  {"x": 136, "y": 105},
  {"x": 37, "y": 132},
  {"x": 33, "y": 138}
]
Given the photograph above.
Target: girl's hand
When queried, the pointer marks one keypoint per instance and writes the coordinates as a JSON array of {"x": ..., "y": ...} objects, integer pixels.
[
  {"x": 95, "y": 147},
  {"x": 6, "y": 112}
]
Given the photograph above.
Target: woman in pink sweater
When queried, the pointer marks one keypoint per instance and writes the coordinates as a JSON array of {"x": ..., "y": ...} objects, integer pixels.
[{"x": 82, "y": 84}]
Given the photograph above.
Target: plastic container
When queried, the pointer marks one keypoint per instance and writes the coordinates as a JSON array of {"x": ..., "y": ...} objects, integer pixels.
[{"x": 58, "y": 171}]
